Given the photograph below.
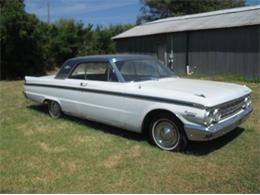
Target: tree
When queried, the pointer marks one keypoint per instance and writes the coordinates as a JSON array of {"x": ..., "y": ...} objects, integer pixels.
[
  {"x": 156, "y": 9},
  {"x": 67, "y": 39},
  {"x": 32, "y": 47},
  {"x": 21, "y": 41},
  {"x": 99, "y": 40},
  {"x": 103, "y": 37}
]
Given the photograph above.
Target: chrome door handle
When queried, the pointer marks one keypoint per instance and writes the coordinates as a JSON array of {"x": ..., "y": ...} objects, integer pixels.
[{"x": 83, "y": 84}]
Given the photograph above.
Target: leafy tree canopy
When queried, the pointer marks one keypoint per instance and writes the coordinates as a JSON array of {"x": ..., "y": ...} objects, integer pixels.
[
  {"x": 156, "y": 9},
  {"x": 21, "y": 40}
]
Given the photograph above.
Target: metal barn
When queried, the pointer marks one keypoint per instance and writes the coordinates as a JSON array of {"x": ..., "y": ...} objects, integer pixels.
[{"x": 212, "y": 43}]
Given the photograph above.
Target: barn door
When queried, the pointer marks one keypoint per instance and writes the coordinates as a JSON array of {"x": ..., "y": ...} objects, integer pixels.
[
  {"x": 162, "y": 54},
  {"x": 177, "y": 53}
]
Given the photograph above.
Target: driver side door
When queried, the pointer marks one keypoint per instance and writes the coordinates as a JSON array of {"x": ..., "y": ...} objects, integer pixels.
[{"x": 99, "y": 99}]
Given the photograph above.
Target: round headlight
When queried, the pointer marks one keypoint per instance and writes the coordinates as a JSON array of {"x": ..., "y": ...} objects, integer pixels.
[
  {"x": 216, "y": 115},
  {"x": 247, "y": 102},
  {"x": 208, "y": 119},
  {"x": 244, "y": 105}
]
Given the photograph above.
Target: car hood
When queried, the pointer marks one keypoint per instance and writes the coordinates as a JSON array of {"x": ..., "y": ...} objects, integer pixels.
[{"x": 208, "y": 93}]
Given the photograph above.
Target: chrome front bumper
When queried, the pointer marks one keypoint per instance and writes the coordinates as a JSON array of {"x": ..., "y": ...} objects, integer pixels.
[{"x": 203, "y": 133}]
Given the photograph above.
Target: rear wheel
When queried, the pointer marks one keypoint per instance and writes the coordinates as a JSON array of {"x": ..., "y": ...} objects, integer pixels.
[
  {"x": 54, "y": 109},
  {"x": 167, "y": 133}
]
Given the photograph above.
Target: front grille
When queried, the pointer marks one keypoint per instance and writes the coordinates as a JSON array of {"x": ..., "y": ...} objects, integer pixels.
[{"x": 231, "y": 108}]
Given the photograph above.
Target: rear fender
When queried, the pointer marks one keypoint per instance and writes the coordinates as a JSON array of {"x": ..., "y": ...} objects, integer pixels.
[{"x": 49, "y": 98}]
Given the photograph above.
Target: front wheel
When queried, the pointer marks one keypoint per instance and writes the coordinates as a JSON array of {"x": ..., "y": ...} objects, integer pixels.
[
  {"x": 54, "y": 109},
  {"x": 167, "y": 133}
]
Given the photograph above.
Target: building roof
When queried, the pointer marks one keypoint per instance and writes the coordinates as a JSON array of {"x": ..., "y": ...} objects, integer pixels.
[{"x": 227, "y": 18}]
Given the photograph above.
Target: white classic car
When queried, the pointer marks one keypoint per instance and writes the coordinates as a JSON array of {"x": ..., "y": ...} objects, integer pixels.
[{"x": 137, "y": 93}]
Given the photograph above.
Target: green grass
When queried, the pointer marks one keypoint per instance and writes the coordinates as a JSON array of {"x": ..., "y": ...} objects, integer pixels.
[{"x": 42, "y": 155}]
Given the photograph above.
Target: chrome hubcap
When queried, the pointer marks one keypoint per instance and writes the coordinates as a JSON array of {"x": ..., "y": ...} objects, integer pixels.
[
  {"x": 166, "y": 134},
  {"x": 55, "y": 109}
]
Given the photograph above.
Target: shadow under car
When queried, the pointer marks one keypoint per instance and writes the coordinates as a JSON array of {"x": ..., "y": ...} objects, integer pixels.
[{"x": 193, "y": 148}]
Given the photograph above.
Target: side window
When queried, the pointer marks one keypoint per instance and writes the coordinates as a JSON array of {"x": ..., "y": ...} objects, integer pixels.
[
  {"x": 79, "y": 72},
  {"x": 127, "y": 68},
  {"x": 145, "y": 69},
  {"x": 134, "y": 69},
  {"x": 96, "y": 71}
]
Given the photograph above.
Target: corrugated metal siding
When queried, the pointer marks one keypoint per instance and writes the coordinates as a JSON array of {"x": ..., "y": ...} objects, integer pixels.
[
  {"x": 146, "y": 45},
  {"x": 153, "y": 45},
  {"x": 216, "y": 51},
  {"x": 225, "y": 51}
]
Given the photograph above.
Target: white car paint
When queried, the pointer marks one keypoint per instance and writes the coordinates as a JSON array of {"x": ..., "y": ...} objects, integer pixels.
[
  {"x": 127, "y": 112},
  {"x": 127, "y": 104}
]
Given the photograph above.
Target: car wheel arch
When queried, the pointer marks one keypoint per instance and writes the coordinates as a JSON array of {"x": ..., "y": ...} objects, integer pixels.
[
  {"x": 149, "y": 115},
  {"x": 48, "y": 99}
]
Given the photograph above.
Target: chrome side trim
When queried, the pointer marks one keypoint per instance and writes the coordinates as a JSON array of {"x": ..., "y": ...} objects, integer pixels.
[{"x": 127, "y": 95}]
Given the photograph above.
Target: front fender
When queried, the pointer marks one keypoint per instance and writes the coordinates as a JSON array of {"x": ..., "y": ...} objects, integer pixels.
[{"x": 178, "y": 110}]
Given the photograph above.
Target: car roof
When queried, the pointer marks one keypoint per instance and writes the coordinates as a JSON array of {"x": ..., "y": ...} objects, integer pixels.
[
  {"x": 72, "y": 62},
  {"x": 117, "y": 57}
]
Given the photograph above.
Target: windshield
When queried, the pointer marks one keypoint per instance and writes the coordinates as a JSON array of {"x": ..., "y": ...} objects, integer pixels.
[{"x": 143, "y": 69}]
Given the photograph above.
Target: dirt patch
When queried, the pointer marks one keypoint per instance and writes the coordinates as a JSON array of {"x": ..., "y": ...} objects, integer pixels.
[
  {"x": 46, "y": 148},
  {"x": 83, "y": 139},
  {"x": 134, "y": 151},
  {"x": 69, "y": 166},
  {"x": 31, "y": 130},
  {"x": 116, "y": 159},
  {"x": 89, "y": 140},
  {"x": 26, "y": 131},
  {"x": 113, "y": 161}
]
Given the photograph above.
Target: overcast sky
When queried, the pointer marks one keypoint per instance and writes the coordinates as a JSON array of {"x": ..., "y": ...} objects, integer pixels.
[{"x": 102, "y": 12}]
